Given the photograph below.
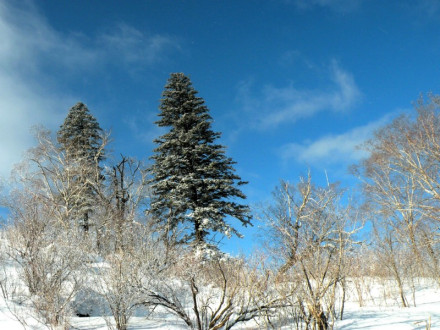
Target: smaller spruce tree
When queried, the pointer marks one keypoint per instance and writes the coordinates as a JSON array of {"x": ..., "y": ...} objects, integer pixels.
[{"x": 80, "y": 138}]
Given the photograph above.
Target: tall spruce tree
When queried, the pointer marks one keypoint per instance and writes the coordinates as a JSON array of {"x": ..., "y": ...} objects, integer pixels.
[
  {"x": 80, "y": 138},
  {"x": 193, "y": 182}
]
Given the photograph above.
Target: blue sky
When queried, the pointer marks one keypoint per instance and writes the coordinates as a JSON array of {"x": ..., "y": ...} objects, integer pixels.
[{"x": 291, "y": 84}]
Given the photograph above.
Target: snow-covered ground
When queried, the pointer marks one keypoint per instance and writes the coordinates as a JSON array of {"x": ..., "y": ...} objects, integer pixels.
[{"x": 380, "y": 311}]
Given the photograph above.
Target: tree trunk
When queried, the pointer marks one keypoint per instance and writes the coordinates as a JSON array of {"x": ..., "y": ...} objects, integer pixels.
[{"x": 86, "y": 222}]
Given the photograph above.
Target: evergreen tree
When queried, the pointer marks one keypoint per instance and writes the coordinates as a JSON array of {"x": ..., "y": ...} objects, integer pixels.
[
  {"x": 192, "y": 179},
  {"x": 80, "y": 138}
]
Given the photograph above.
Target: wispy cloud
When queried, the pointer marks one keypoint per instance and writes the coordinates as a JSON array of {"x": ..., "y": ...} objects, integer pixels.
[
  {"x": 36, "y": 60},
  {"x": 137, "y": 126},
  {"x": 27, "y": 35},
  {"x": 28, "y": 41},
  {"x": 293, "y": 57},
  {"x": 340, "y": 6},
  {"x": 130, "y": 45},
  {"x": 289, "y": 104},
  {"x": 422, "y": 11},
  {"x": 333, "y": 149}
]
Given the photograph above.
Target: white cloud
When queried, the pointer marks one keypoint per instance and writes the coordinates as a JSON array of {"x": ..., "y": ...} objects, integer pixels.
[
  {"x": 28, "y": 41},
  {"x": 22, "y": 107},
  {"x": 333, "y": 149},
  {"x": 289, "y": 104},
  {"x": 25, "y": 99},
  {"x": 36, "y": 60}
]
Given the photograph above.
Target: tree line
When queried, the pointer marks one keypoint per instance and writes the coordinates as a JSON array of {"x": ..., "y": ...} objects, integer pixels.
[{"x": 87, "y": 231}]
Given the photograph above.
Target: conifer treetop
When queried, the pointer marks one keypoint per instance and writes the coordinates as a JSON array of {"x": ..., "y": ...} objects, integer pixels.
[{"x": 80, "y": 134}]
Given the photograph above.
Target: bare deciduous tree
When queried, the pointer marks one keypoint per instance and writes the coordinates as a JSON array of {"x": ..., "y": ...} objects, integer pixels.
[
  {"x": 120, "y": 201},
  {"x": 50, "y": 261},
  {"x": 43, "y": 239},
  {"x": 311, "y": 231},
  {"x": 216, "y": 293},
  {"x": 401, "y": 181}
]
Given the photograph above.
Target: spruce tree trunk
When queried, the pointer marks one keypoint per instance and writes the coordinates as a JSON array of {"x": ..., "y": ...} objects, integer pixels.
[
  {"x": 86, "y": 222},
  {"x": 199, "y": 233}
]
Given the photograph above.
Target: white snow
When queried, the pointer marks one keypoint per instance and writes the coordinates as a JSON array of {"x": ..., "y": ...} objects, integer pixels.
[{"x": 380, "y": 311}]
